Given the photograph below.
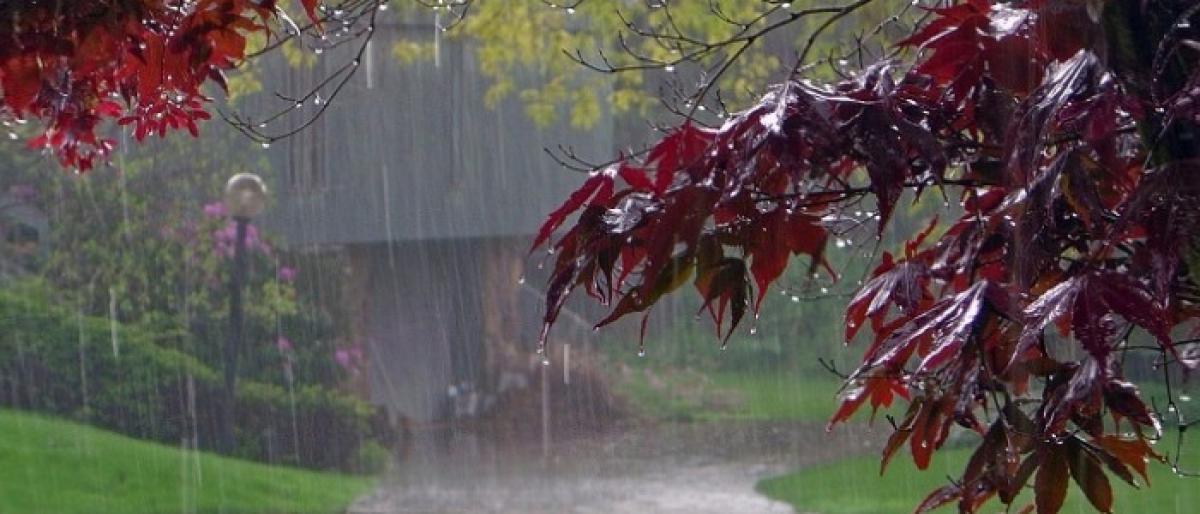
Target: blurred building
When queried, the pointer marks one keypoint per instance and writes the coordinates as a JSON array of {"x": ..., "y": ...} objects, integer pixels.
[{"x": 433, "y": 198}]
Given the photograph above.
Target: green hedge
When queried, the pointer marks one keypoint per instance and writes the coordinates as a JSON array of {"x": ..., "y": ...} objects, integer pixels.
[{"x": 57, "y": 362}]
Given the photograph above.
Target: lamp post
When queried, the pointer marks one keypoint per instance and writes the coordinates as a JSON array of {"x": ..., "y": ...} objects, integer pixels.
[{"x": 245, "y": 198}]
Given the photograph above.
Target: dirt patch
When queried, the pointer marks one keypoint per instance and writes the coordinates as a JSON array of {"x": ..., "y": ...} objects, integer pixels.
[{"x": 584, "y": 407}]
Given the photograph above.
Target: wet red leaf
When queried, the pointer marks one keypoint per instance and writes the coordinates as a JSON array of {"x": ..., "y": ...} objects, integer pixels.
[
  {"x": 1088, "y": 474},
  {"x": 1050, "y": 485}
]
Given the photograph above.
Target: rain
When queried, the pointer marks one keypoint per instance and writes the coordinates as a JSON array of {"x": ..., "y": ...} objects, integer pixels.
[{"x": 327, "y": 300}]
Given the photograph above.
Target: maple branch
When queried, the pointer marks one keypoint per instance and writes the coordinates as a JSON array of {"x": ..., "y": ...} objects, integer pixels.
[
  {"x": 340, "y": 77},
  {"x": 697, "y": 49},
  {"x": 812, "y": 38},
  {"x": 832, "y": 368},
  {"x": 861, "y": 190},
  {"x": 347, "y": 13},
  {"x": 569, "y": 160}
]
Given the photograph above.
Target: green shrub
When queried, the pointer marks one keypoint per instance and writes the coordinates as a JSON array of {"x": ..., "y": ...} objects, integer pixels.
[
  {"x": 372, "y": 459},
  {"x": 117, "y": 377}
]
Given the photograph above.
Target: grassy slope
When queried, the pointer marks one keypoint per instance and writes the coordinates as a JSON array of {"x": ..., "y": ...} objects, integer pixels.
[
  {"x": 49, "y": 465},
  {"x": 854, "y": 486},
  {"x": 717, "y": 396},
  {"x": 770, "y": 396}
]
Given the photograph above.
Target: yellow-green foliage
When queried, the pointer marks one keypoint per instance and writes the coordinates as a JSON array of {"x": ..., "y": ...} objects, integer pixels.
[
  {"x": 528, "y": 38},
  {"x": 522, "y": 47}
]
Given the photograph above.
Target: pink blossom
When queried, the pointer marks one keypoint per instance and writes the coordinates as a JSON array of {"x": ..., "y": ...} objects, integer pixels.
[
  {"x": 283, "y": 344},
  {"x": 342, "y": 357},
  {"x": 286, "y": 273},
  {"x": 225, "y": 240},
  {"x": 350, "y": 358},
  {"x": 215, "y": 210}
]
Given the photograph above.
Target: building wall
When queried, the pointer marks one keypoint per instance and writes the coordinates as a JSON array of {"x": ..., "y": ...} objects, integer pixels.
[
  {"x": 436, "y": 314},
  {"x": 435, "y": 197}
]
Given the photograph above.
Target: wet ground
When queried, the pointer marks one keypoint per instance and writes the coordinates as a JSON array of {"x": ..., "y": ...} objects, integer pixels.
[{"x": 696, "y": 468}]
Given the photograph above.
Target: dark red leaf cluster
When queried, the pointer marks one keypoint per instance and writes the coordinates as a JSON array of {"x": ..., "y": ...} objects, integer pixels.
[
  {"x": 1072, "y": 156},
  {"x": 75, "y": 65}
]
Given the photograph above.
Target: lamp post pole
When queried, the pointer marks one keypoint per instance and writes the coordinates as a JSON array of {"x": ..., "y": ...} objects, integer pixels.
[
  {"x": 234, "y": 341},
  {"x": 245, "y": 197}
]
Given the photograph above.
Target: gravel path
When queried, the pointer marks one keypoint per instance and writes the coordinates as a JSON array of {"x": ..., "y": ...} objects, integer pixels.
[{"x": 668, "y": 469}]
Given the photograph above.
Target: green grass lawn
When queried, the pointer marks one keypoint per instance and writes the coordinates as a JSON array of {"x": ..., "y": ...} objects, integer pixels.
[
  {"x": 854, "y": 486},
  {"x": 55, "y": 466},
  {"x": 773, "y": 396},
  {"x": 721, "y": 396}
]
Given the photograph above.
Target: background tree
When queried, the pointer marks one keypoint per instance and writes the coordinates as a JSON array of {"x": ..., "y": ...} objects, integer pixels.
[
  {"x": 1064, "y": 133},
  {"x": 554, "y": 42}
]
